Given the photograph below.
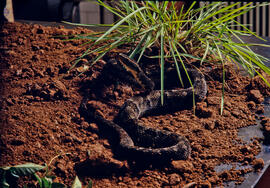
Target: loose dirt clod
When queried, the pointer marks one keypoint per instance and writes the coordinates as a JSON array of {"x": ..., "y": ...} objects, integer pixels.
[
  {"x": 256, "y": 96},
  {"x": 258, "y": 164}
]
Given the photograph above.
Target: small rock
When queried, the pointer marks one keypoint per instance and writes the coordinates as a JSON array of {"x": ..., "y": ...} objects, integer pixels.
[
  {"x": 106, "y": 144},
  {"x": 51, "y": 93},
  {"x": 50, "y": 71},
  {"x": 182, "y": 166},
  {"x": 9, "y": 102},
  {"x": 75, "y": 138},
  {"x": 258, "y": 164},
  {"x": 251, "y": 105},
  {"x": 226, "y": 113},
  {"x": 11, "y": 53},
  {"x": 29, "y": 97},
  {"x": 206, "y": 184},
  {"x": 14, "y": 44},
  {"x": 197, "y": 147},
  {"x": 225, "y": 174},
  {"x": 174, "y": 179},
  {"x": 213, "y": 179},
  {"x": 21, "y": 41},
  {"x": 246, "y": 149},
  {"x": 42, "y": 52},
  {"x": 83, "y": 68},
  {"x": 61, "y": 89},
  {"x": 260, "y": 110},
  {"x": 116, "y": 94},
  {"x": 219, "y": 123},
  {"x": 249, "y": 158},
  {"x": 210, "y": 125},
  {"x": 67, "y": 139},
  {"x": 38, "y": 73},
  {"x": 227, "y": 104},
  {"x": 58, "y": 84},
  {"x": 19, "y": 72},
  {"x": 235, "y": 113},
  {"x": 100, "y": 161},
  {"x": 265, "y": 121},
  {"x": 37, "y": 98},
  {"x": 267, "y": 129},
  {"x": 35, "y": 47},
  {"x": 44, "y": 94},
  {"x": 35, "y": 57},
  {"x": 203, "y": 111},
  {"x": 84, "y": 125},
  {"x": 256, "y": 96},
  {"x": 61, "y": 167},
  {"x": 27, "y": 73}
]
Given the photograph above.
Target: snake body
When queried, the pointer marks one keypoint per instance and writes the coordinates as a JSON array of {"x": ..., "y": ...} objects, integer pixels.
[{"x": 134, "y": 139}]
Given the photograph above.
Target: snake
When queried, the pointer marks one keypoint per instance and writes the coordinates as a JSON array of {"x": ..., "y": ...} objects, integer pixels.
[{"x": 133, "y": 139}]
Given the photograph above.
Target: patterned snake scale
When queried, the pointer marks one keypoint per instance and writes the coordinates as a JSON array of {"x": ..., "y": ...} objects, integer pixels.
[{"x": 137, "y": 141}]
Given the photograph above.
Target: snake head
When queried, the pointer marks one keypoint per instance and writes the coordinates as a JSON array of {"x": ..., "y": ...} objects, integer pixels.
[{"x": 131, "y": 72}]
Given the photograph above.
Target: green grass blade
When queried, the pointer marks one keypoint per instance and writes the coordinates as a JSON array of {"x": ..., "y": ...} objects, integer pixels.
[
  {"x": 119, "y": 23},
  {"x": 205, "y": 53},
  {"x": 223, "y": 78},
  {"x": 113, "y": 10},
  {"x": 162, "y": 64},
  {"x": 176, "y": 64}
]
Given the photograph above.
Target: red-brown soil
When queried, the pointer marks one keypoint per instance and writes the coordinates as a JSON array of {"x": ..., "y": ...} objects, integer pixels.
[{"x": 40, "y": 118}]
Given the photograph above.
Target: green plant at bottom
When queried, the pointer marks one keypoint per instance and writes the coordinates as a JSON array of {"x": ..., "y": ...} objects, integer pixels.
[
  {"x": 18, "y": 171},
  {"x": 44, "y": 181},
  {"x": 180, "y": 35}
]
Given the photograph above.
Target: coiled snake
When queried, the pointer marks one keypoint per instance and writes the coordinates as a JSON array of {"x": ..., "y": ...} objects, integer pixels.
[{"x": 136, "y": 140}]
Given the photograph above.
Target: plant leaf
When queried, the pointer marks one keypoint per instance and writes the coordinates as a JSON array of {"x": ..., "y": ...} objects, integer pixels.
[
  {"x": 90, "y": 184},
  {"x": 24, "y": 169},
  {"x": 77, "y": 183},
  {"x": 3, "y": 181},
  {"x": 119, "y": 23}
]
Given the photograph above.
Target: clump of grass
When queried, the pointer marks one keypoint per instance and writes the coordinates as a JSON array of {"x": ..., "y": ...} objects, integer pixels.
[{"x": 178, "y": 33}]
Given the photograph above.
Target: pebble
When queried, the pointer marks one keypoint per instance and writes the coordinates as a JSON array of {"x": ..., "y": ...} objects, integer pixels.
[
  {"x": 258, "y": 164},
  {"x": 102, "y": 160},
  {"x": 75, "y": 138},
  {"x": 210, "y": 125},
  {"x": 106, "y": 144},
  {"x": 182, "y": 166},
  {"x": 35, "y": 47},
  {"x": 58, "y": 84},
  {"x": 19, "y": 72},
  {"x": 251, "y": 105},
  {"x": 265, "y": 121},
  {"x": 9, "y": 102},
  {"x": 203, "y": 111},
  {"x": 206, "y": 184},
  {"x": 256, "y": 96},
  {"x": 260, "y": 110},
  {"x": 61, "y": 166},
  {"x": 174, "y": 179}
]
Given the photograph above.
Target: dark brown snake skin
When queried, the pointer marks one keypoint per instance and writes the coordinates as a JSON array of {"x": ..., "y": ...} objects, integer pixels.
[{"x": 136, "y": 140}]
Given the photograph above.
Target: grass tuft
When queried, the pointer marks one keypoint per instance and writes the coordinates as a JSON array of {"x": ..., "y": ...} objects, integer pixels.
[{"x": 179, "y": 34}]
